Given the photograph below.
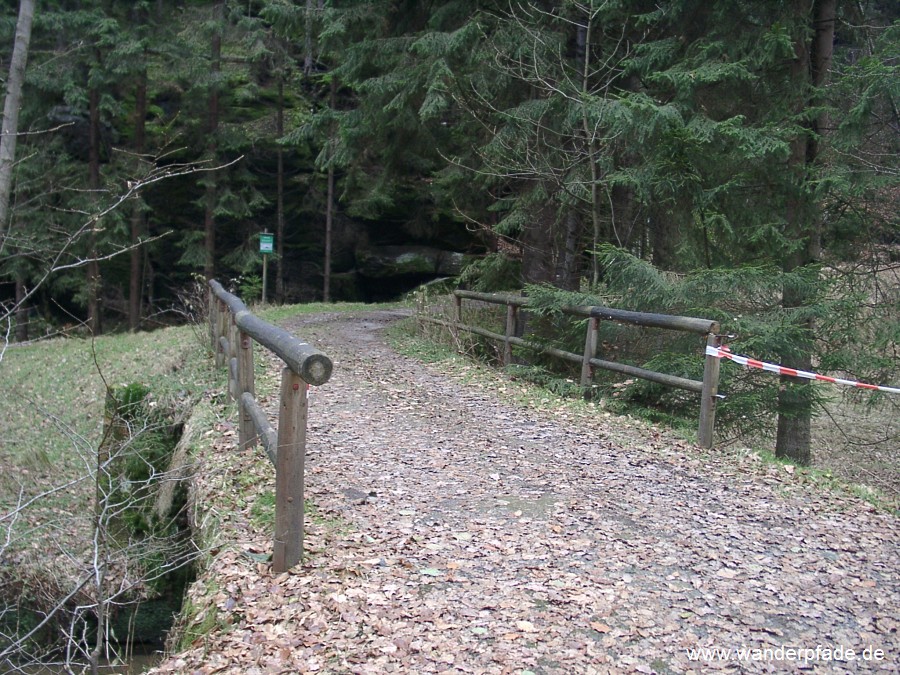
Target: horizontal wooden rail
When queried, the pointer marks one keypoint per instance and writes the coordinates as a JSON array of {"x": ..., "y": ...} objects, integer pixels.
[
  {"x": 661, "y": 378},
  {"x": 707, "y": 388},
  {"x": 305, "y": 360},
  {"x": 648, "y": 319},
  {"x": 652, "y": 376},
  {"x": 233, "y": 328},
  {"x": 267, "y": 435},
  {"x": 494, "y": 298}
]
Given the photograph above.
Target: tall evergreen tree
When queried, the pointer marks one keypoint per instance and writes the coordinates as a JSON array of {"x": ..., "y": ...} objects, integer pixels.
[
  {"x": 212, "y": 130},
  {"x": 556, "y": 70},
  {"x": 284, "y": 19},
  {"x": 384, "y": 140}
]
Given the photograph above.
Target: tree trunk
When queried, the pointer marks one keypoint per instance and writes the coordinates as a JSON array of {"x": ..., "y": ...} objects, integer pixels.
[
  {"x": 626, "y": 215},
  {"x": 537, "y": 248},
  {"x": 582, "y": 55},
  {"x": 11, "y": 107},
  {"x": 21, "y": 311},
  {"x": 664, "y": 235},
  {"x": 137, "y": 213},
  {"x": 810, "y": 67},
  {"x": 308, "y": 41},
  {"x": 329, "y": 211},
  {"x": 568, "y": 265},
  {"x": 329, "y": 224},
  {"x": 209, "y": 223},
  {"x": 822, "y": 53},
  {"x": 279, "y": 203},
  {"x": 95, "y": 323},
  {"x": 149, "y": 279},
  {"x": 10, "y": 129}
]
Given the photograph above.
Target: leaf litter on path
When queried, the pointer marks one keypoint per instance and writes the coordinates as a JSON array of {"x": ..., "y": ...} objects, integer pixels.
[{"x": 454, "y": 532}]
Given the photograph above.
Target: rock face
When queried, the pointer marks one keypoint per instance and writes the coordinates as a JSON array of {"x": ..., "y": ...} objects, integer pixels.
[{"x": 383, "y": 262}]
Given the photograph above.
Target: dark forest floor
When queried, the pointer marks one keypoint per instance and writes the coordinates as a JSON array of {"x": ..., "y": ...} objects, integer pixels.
[{"x": 453, "y": 531}]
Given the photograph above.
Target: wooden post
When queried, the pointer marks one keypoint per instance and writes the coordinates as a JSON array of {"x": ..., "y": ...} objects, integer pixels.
[
  {"x": 455, "y": 326},
  {"x": 234, "y": 344},
  {"x": 265, "y": 279},
  {"x": 222, "y": 321},
  {"x": 234, "y": 384},
  {"x": 709, "y": 394},
  {"x": 510, "y": 332},
  {"x": 234, "y": 337},
  {"x": 246, "y": 431},
  {"x": 213, "y": 319},
  {"x": 590, "y": 351},
  {"x": 289, "y": 469}
]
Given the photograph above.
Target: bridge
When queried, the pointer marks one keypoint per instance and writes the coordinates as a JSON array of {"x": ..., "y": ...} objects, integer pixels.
[{"x": 456, "y": 525}]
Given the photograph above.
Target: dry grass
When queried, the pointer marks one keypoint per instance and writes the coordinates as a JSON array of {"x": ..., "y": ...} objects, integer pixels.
[
  {"x": 51, "y": 422},
  {"x": 859, "y": 443}
]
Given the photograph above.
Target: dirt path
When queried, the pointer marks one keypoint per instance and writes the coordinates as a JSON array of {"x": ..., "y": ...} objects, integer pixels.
[{"x": 458, "y": 533}]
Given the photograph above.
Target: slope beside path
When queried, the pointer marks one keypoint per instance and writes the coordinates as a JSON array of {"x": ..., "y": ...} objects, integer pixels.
[{"x": 455, "y": 532}]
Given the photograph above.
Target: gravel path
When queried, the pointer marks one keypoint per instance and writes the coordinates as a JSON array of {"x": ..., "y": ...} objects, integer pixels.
[{"x": 455, "y": 532}]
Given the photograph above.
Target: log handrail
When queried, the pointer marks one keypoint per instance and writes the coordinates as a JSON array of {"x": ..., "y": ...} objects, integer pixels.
[
  {"x": 233, "y": 328},
  {"x": 707, "y": 388},
  {"x": 688, "y": 324},
  {"x": 302, "y": 358}
]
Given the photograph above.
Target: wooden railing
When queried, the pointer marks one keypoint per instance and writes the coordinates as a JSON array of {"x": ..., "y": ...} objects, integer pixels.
[
  {"x": 707, "y": 388},
  {"x": 232, "y": 329}
]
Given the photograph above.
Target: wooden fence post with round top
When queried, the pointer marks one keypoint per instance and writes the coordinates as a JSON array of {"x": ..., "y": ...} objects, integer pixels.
[
  {"x": 710, "y": 393},
  {"x": 590, "y": 351},
  {"x": 286, "y": 447},
  {"x": 289, "y": 472}
]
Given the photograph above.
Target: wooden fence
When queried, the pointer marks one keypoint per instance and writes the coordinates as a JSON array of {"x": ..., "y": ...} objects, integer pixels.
[
  {"x": 707, "y": 388},
  {"x": 232, "y": 329}
]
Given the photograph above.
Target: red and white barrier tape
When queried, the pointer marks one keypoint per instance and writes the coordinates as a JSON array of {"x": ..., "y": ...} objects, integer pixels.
[{"x": 747, "y": 362}]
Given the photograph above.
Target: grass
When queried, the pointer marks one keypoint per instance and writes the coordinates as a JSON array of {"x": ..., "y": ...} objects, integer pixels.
[
  {"x": 55, "y": 390},
  {"x": 826, "y": 479},
  {"x": 52, "y": 422},
  {"x": 277, "y": 313},
  {"x": 262, "y": 513},
  {"x": 404, "y": 338},
  {"x": 407, "y": 341},
  {"x": 51, "y": 413},
  {"x": 197, "y": 620}
]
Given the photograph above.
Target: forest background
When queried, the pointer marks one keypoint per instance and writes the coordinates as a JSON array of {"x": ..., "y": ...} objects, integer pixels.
[
  {"x": 731, "y": 160},
  {"x": 735, "y": 160}
]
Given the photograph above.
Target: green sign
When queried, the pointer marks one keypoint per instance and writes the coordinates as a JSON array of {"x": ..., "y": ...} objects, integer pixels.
[{"x": 266, "y": 243}]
